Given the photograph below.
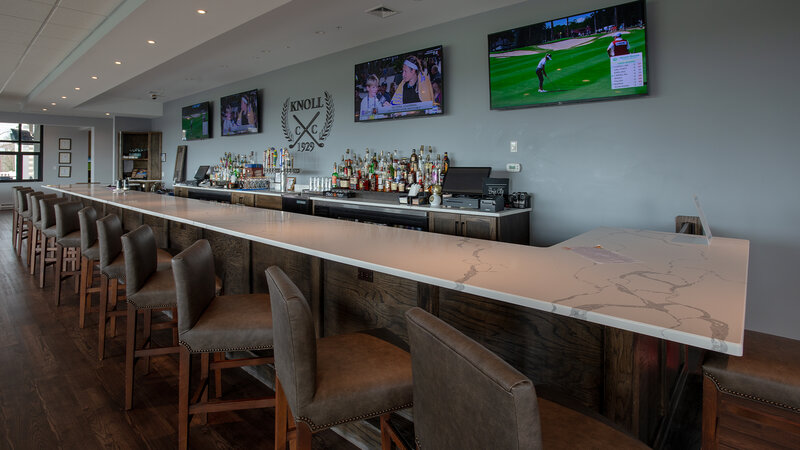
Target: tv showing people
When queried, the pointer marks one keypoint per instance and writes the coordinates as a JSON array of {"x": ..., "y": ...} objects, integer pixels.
[
  {"x": 405, "y": 85},
  {"x": 195, "y": 122},
  {"x": 600, "y": 54},
  {"x": 239, "y": 113}
]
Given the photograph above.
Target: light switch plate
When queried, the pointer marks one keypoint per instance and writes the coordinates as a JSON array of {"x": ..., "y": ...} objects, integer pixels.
[{"x": 513, "y": 146}]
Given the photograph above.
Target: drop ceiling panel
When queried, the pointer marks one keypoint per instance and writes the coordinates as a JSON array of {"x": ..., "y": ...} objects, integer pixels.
[
  {"x": 64, "y": 32},
  {"x": 102, "y": 7},
  {"x": 12, "y": 25},
  {"x": 77, "y": 19},
  {"x": 11, "y": 51},
  {"x": 26, "y": 9}
]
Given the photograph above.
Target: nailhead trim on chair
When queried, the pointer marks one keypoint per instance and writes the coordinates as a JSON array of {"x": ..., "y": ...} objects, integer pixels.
[
  {"x": 215, "y": 350},
  {"x": 315, "y": 427},
  {"x": 748, "y": 396},
  {"x": 153, "y": 307}
]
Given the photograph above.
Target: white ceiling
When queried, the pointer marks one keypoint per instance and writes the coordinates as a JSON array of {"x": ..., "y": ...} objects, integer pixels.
[{"x": 50, "y": 47}]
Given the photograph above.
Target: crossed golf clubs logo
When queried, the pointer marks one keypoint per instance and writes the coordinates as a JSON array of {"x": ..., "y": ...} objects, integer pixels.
[{"x": 309, "y": 128}]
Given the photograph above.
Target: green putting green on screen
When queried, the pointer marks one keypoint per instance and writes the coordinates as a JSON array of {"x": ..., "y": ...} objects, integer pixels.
[
  {"x": 193, "y": 125},
  {"x": 580, "y": 69}
]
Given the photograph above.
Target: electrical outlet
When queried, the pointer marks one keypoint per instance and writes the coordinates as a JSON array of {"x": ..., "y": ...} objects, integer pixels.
[
  {"x": 365, "y": 275},
  {"x": 513, "y": 167},
  {"x": 513, "y": 146}
]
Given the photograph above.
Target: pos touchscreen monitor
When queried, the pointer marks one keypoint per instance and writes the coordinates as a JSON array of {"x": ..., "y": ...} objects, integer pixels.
[{"x": 465, "y": 180}]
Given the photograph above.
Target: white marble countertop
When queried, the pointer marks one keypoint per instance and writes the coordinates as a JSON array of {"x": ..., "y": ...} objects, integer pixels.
[
  {"x": 356, "y": 201},
  {"x": 673, "y": 287}
]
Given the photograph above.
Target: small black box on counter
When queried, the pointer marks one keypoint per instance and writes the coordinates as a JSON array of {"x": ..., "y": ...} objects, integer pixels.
[{"x": 492, "y": 204}]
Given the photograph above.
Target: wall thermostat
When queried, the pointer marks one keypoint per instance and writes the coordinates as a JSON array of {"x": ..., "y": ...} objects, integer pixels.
[{"x": 513, "y": 167}]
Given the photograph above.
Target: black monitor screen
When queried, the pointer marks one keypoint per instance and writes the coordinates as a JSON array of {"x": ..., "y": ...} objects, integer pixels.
[
  {"x": 201, "y": 173},
  {"x": 465, "y": 180}
]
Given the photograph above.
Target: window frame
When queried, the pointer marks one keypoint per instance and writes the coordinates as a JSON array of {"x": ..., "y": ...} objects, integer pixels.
[{"x": 19, "y": 142}]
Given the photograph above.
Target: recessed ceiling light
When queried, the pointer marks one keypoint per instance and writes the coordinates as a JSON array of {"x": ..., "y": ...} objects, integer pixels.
[
  {"x": 77, "y": 89},
  {"x": 94, "y": 77},
  {"x": 53, "y": 103},
  {"x": 319, "y": 32},
  {"x": 44, "y": 109},
  {"x": 117, "y": 62},
  {"x": 201, "y": 11},
  {"x": 63, "y": 96},
  {"x": 108, "y": 114},
  {"x": 151, "y": 42}
]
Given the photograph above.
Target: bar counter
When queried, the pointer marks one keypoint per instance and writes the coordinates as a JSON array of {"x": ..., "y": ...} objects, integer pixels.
[{"x": 668, "y": 286}]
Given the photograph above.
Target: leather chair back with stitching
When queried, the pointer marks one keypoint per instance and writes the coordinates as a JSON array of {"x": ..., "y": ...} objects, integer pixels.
[
  {"x": 193, "y": 270},
  {"x": 67, "y": 218},
  {"x": 295, "y": 341},
  {"x": 88, "y": 221},
  {"x": 33, "y": 205},
  {"x": 47, "y": 210},
  {"x": 465, "y": 396},
  {"x": 109, "y": 233},
  {"x": 141, "y": 258},
  {"x": 22, "y": 200}
]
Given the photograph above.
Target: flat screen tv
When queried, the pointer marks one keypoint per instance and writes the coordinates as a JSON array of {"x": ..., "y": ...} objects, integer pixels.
[
  {"x": 596, "y": 55},
  {"x": 405, "y": 85},
  {"x": 239, "y": 113},
  {"x": 196, "y": 122}
]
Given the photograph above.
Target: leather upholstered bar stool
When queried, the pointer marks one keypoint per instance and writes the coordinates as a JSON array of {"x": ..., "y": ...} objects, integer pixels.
[
  {"x": 68, "y": 245},
  {"x": 47, "y": 252},
  {"x": 147, "y": 289},
  {"x": 333, "y": 380},
  {"x": 15, "y": 214},
  {"x": 208, "y": 323},
  {"x": 32, "y": 198},
  {"x": 23, "y": 214},
  {"x": 466, "y": 397},
  {"x": 90, "y": 257},
  {"x": 112, "y": 274},
  {"x": 37, "y": 237}
]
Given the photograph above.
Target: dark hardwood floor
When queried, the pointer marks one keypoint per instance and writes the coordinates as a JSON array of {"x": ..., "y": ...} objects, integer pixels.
[{"x": 54, "y": 393}]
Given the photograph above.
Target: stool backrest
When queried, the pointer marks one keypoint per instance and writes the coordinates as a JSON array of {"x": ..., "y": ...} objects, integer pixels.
[
  {"x": 295, "y": 342},
  {"x": 465, "y": 396},
  {"x": 88, "y": 220},
  {"x": 141, "y": 257},
  {"x": 193, "y": 270},
  {"x": 33, "y": 204},
  {"x": 109, "y": 234},
  {"x": 47, "y": 210},
  {"x": 67, "y": 219},
  {"x": 22, "y": 199}
]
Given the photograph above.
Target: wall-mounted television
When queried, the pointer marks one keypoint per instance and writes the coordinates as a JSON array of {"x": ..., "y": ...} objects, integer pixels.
[
  {"x": 239, "y": 113},
  {"x": 196, "y": 122},
  {"x": 596, "y": 55},
  {"x": 405, "y": 85}
]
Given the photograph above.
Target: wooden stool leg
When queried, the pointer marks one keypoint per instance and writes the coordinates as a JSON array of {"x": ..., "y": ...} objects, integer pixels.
[
  {"x": 183, "y": 398},
  {"x": 101, "y": 323},
  {"x": 14, "y": 229},
  {"x": 281, "y": 413},
  {"x": 303, "y": 436},
  {"x": 114, "y": 296},
  {"x": 204, "y": 364},
  {"x": 43, "y": 259},
  {"x": 59, "y": 269},
  {"x": 130, "y": 361},
  {"x": 82, "y": 298},
  {"x": 175, "y": 327},
  {"x": 32, "y": 253},
  {"x": 147, "y": 323},
  {"x": 219, "y": 356},
  {"x": 710, "y": 413}
]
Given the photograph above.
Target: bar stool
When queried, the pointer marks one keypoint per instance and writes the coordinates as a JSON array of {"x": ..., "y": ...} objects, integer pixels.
[
  {"x": 32, "y": 198},
  {"x": 90, "y": 257},
  {"x": 14, "y": 215},
  {"x": 47, "y": 237},
  {"x": 466, "y": 397},
  {"x": 208, "y": 323},
  {"x": 112, "y": 273},
  {"x": 147, "y": 289},
  {"x": 333, "y": 380},
  {"x": 23, "y": 214},
  {"x": 68, "y": 244},
  {"x": 36, "y": 218}
]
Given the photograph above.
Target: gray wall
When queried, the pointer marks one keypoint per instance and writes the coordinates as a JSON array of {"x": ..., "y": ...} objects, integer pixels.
[
  {"x": 80, "y": 154},
  {"x": 720, "y": 122},
  {"x": 103, "y": 145}
]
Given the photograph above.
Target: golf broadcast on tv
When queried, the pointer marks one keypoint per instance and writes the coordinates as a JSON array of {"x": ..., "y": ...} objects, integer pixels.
[{"x": 595, "y": 55}]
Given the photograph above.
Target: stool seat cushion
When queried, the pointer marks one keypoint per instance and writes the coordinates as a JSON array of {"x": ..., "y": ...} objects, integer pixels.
[
  {"x": 232, "y": 323},
  {"x": 72, "y": 240},
  {"x": 26, "y": 214},
  {"x": 768, "y": 371},
  {"x": 358, "y": 376},
  {"x": 50, "y": 231},
  {"x": 565, "y": 428},
  {"x": 92, "y": 253},
  {"x": 157, "y": 292},
  {"x": 117, "y": 267},
  {"x": 38, "y": 224}
]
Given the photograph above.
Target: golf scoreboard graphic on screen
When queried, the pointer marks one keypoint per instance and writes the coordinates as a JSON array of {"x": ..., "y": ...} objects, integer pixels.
[{"x": 595, "y": 55}]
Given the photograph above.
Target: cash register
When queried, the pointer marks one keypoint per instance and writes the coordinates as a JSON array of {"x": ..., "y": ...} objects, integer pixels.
[{"x": 463, "y": 187}]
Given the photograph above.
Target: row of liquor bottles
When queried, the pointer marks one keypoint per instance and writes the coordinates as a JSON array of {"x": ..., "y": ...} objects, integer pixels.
[{"x": 389, "y": 172}]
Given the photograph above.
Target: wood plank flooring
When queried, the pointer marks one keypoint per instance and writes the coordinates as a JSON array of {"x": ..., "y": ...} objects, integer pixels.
[{"x": 54, "y": 393}]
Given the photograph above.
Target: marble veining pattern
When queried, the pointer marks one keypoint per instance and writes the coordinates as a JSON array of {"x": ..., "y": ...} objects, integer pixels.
[{"x": 680, "y": 291}]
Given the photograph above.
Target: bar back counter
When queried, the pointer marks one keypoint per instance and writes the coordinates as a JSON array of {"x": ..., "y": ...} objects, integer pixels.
[{"x": 594, "y": 317}]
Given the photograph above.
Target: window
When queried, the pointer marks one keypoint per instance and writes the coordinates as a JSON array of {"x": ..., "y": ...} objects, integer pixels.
[{"x": 20, "y": 152}]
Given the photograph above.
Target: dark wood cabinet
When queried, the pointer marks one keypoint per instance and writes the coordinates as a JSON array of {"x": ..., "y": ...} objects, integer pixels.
[
  {"x": 269, "y": 202},
  {"x": 181, "y": 191},
  {"x": 243, "y": 198},
  {"x": 479, "y": 227},
  {"x": 140, "y": 155}
]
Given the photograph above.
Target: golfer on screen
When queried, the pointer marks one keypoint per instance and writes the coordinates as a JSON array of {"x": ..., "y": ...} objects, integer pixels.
[
  {"x": 618, "y": 46},
  {"x": 541, "y": 73}
]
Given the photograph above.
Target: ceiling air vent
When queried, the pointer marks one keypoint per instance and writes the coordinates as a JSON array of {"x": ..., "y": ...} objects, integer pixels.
[{"x": 381, "y": 11}]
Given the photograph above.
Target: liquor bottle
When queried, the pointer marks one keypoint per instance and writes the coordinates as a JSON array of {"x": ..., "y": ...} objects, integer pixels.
[
  {"x": 334, "y": 177},
  {"x": 413, "y": 158},
  {"x": 445, "y": 164}
]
